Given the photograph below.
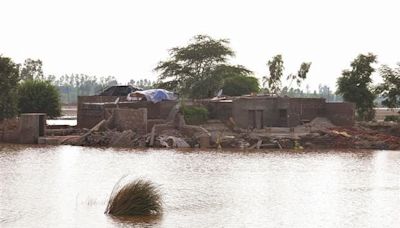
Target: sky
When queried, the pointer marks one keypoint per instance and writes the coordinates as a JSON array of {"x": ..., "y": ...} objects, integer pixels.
[{"x": 127, "y": 38}]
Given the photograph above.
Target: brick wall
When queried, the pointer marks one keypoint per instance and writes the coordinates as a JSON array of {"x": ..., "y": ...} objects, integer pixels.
[
  {"x": 290, "y": 112},
  {"x": 341, "y": 114},
  {"x": 268, "y": 106},
  {"x": 220, "y": 110},
  {"x": 130, "y": 119},
  {"x": 304, "y": 109},
  {"x": 92, "y": 109}
]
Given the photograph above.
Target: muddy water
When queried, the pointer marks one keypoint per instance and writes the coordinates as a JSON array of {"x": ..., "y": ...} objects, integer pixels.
[{"x": 68, "y": 187}]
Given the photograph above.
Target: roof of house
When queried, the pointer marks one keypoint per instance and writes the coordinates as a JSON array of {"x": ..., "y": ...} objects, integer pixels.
[{"x": 119, "y": 90}]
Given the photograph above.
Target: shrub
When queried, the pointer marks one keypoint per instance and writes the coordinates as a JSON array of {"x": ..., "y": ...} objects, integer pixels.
[
  {"x": 39, "y": 96},
  {"x": 195, "y": 115},
  {"x": 139, "y": 197},
  {"x": 392, "y": 118}
]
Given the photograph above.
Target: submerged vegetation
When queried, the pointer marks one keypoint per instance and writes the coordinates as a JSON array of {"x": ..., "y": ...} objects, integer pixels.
[{"x": 138, "y": 197}]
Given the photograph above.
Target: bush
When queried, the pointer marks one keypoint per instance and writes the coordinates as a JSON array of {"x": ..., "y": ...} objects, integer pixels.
[
  {"x": 195, "y": 115},
  {"x": 139, "y": 197},
  {"x": 392, "y": 118},
  {"x": 39, "y": 96}
]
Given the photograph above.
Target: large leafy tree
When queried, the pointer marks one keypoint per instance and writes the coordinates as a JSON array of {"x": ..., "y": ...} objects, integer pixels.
[
  {"x": 32, "y": 69},
  {"x": 39, "y": 96},
  {"x": 197, "y": 70},
  {"x": 9, "y": 77},
  {"x": 355, "y": 85},
  {"x": 390, "y": 88}
]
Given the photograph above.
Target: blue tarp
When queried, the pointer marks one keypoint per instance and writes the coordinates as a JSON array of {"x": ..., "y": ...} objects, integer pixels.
[{"x": 154, "y": 95}]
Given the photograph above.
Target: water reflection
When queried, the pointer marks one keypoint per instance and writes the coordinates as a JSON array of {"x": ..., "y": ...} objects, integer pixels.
[
  {"x": 69, "y": 186},
  {"x": 138, "y": 221}
]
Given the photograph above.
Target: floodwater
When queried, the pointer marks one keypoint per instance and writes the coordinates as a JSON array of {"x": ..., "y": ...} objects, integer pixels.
[
  {"x": 68, "y": 187},
  {"x": 69, "y": 122}
]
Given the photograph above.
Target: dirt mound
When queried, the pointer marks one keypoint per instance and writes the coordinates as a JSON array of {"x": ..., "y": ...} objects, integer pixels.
[
  {"x": 350, "y": 138},
  {"x": 321, "y": 123}
]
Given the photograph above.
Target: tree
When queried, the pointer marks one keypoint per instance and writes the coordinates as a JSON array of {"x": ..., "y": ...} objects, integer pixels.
[
  {"x": 9, "y": 77},
  {"x": 325, "y": 92},
  {"x": 32, "y": 69},
  {"x": 106, "y": 82},
  {"x": 142, "y": 83},
  {"x": 193, "y": 69},
  {"x": 235, "y": 80},
  {"x": 240, "y": 85},
  {"x": 301, "y": 74},
  {"x": 390, "y": 88},
  {"x": 276, "y": 68},
  {"x": 39, "y": 96},
  {"x": 354, "y": 85}
]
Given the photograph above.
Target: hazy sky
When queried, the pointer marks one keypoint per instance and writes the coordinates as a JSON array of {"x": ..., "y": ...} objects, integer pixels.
[{"x": 127, "y": 39}]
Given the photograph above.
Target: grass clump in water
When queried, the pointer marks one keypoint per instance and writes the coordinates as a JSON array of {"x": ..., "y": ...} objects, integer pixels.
[{"x": 138, "y": 197}]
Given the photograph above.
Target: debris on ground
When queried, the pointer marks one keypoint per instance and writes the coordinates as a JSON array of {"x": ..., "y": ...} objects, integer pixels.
[
  {"x": 320, "y": 123},
  {"x": 351, "y": 138},
  {"x": 173, "y": 142},
  {"x": 319, "y": 133}
]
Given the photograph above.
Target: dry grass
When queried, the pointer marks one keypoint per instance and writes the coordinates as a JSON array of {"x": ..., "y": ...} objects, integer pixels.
[{"x": 138, "y": 197}]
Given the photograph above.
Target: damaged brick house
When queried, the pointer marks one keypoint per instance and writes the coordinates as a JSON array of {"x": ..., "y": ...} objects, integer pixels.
[
  {"x": 247, "y": 112},
  {"x": 273, "y": 111},
  {"x": 93, "y": 109}
]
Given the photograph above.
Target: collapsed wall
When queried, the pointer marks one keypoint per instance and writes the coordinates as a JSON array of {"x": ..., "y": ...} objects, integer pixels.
[
  {"x": 123, "y": 119},
  {"x": 93, "y": 109},
  {"x": 25, "y": 129}
]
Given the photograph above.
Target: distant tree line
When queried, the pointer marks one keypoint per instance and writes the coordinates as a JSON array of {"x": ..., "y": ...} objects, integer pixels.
[
  {"x": 74, "y": 85},
  {"x": 323, "y": 91},
  {"x": 70, "y": 86}
]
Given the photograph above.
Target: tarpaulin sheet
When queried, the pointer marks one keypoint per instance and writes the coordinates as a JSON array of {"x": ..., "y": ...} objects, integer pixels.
[{"x": 154, "y": 95}]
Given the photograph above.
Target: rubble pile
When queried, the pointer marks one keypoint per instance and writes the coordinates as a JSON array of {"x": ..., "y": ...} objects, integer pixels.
[
  {"x": 350, "y": 138},
  {"x": 320, "y": 123},
  {"x": 320, "y": 133},
  {"x": 175, "y": 134},
  {"x": 112, "y": 138},
  {"x": 390, "y": 128},
  {"x": 172, "y": 138},
  {"x": 131, "y": 139}
]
